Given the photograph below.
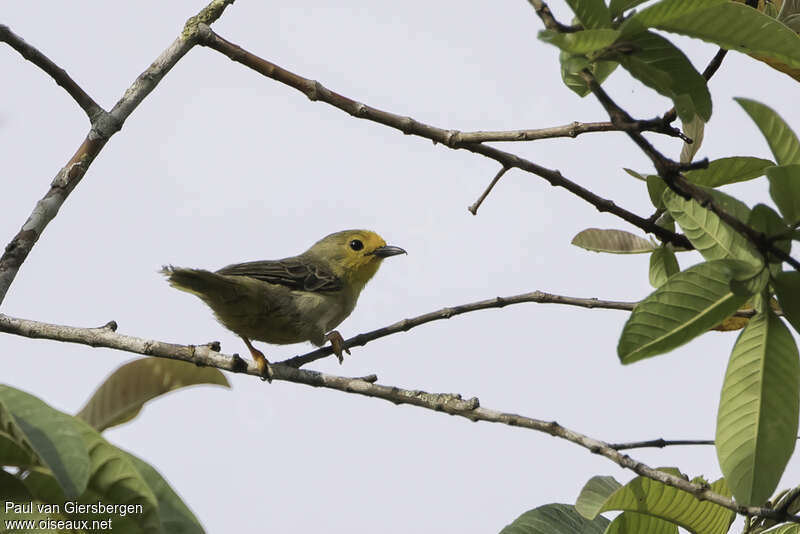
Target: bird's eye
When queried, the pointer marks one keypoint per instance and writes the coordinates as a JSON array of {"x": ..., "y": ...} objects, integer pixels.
[{"x": 356, "y": 244}]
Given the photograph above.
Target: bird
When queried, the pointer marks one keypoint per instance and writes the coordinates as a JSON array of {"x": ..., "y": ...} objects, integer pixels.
[{"x": 291, "y": 300}]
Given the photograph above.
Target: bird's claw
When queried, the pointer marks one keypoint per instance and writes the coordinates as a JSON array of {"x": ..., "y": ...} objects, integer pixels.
[
  {"x": 337, "y": 344},
  {"x": 264, "y": 368}
]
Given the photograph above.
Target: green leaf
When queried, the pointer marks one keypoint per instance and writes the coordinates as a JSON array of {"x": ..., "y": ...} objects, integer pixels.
[
  {"x": 633, "y": 173},
  {"x": 663, "y": 264},
  {"x": 176, "y": 518},
  {"x": 658, "y": 64},
  {"x": 655, "y": 189},
  {"x": 591, "y": 13},
  {"x": 594, "y": 494},
  {"x": 759, "y": 409},
  {"x": 122, "y": 395},
  {"x": 612, "y": 241},
  {"x": 687, "y": 305},
  {"x": 731, "y": 25},
  {"x": 787, "y": 289},
  {"x": 656, "y": 499},
  {"x": 115, "y": 480},
  {"x": 12, "y": 489},
  {"x": 725, "y": 171},
  {"x": 572, "y": 65},
  {"x": 732, "y": 205},
  {"x": 15, "y": 452},
  {"x": 781, "y": 139},
  {"x": 555, "y": 519},
  {"x": 51, "y": 434},
  {"x": 694, "y": 130},
  {"x": 582, "y": 42},
  {"x": 617, "y": 7},
  {"x": 711, "y": 237},
  {"x": 633, "y": 522},
  {"x": 784, "y": 188},
  {"x": 764, "y": 219}
]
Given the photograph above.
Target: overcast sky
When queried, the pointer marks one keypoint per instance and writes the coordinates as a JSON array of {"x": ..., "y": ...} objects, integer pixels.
[{"x": 220, "y": 165}]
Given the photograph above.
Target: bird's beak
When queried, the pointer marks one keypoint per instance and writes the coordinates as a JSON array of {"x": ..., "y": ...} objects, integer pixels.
[{"x": 388, "y": 250}]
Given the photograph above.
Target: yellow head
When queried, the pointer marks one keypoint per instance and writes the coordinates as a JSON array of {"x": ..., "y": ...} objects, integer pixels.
[{"x": 355, "y": 255}]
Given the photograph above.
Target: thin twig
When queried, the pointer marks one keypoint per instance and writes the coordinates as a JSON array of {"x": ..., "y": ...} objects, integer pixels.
[
  {"x": 315, "y": 91},
  {"x": 104, "y": 125},
  {"x": 449, "y": 403},
  {"x": 58, "y": 74},
  {"x": 446, "y": 313},
  {"x": 660, "y": 443},
  {"x": 574, "y": 129},
  {"x": 670, "y": 172},
  {"x": 474, "y": 208}
]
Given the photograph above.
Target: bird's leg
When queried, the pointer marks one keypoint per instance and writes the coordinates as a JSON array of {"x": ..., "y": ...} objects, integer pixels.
[
  {"x": 337, "y": 342},
  {"x": 261, "y": 361}
]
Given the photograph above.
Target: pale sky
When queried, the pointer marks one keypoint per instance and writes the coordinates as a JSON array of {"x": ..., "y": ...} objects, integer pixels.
[{"x": 221, "y": 165}]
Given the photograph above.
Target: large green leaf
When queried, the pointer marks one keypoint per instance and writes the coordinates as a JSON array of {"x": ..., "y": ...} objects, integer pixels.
[
  {"x": 581, "y": 42},
  {"x": 594, "y": 494},
  {"x": 633, "y": 522},
  {"x": 732, "y": 205},
  {"x": 656, "y": 499},
  {"x": 618, "y": 6},
  {"x": 711, "y": 237},
  {"x": 613, "y": 241},
  {"x": 660, "y": 65},
  {"x": 765, "y": 220},
  {"x": 781, "y": 139},
  {"x": 687, "y": 305},
  {"x": 591, "y": 13},
  {"x": 121, "y": 396},
  {"x": 663, "y": 264},
  {"x": 176, "y": 518},
  {"x": 787, "y": 289},
  {"x": 731, "y": 25},
  {"x": 759, "y": 408},
  {"x": 115, "y": 479},
  {"x": 573, "y": 64},
  {"x": 655, "y": 189},
  {"x": 788, "y": 528},
  {"x": 555, "y": 519},
  {"x": 784, "y": 188},
  {"x": 725, "y": 171},
  {"x": 50, "y": 434}
]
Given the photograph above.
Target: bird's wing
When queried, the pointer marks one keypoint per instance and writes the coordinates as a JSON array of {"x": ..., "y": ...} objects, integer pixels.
[{"x": 294, "y": 273}]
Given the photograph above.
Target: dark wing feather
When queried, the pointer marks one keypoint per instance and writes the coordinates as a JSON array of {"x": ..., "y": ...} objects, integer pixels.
[{"x": 294, "y": 273}]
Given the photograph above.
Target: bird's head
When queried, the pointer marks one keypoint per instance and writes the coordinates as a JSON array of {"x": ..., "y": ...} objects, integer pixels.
[{"x": 353, "y": 254}]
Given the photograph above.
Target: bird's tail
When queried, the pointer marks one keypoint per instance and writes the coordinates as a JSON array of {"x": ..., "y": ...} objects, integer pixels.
[{"x": 199, "y": 282}]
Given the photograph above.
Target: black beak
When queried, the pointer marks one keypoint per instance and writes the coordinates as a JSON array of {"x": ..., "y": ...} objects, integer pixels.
[{"x": 388, "y": 250}]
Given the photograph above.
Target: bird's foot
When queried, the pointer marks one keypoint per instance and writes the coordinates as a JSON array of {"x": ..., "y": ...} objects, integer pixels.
[
  {"x": 337, "y": 343},
  {"x": 264, "y": 368}
]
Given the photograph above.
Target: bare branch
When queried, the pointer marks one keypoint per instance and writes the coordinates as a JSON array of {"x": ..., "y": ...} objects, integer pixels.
[
  {"x": 547, "y": 17},
  {"x": 449, "y": 403},
  {"x": 104, "y": 125},
  {"x": 574, "y": 129},
  {"x": 474, "y": 208},
  {"x": 317, "y": 92},
  {"x": 670, "y": 172},
  {"x": 59, "y": 75},
  {"x": 446, "y": 313},
  {"x": 660, "y": 443}
]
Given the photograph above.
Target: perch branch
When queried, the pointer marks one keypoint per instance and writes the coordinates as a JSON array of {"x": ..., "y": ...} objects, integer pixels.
[{"x": 449, "y": 403}]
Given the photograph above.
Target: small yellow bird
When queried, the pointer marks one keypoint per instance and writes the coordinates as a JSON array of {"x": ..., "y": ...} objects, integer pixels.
[{"x": 302, "y": 298}]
